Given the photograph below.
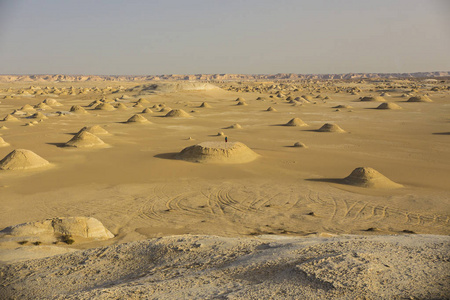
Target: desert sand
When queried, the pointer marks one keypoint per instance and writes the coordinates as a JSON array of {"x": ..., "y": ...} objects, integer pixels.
[{"x": 317, "y": 193}]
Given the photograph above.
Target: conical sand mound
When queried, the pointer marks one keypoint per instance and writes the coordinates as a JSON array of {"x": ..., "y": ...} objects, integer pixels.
[
  {"x": 331, "y": 128},
  {"x": 96, "y": 129},
  {"x": 271, "y": 109},
  {"x": 235, "y": 126},
  {"x": 137, "y": 119},
  {"x": 205, "y": 105},
  {"x": 243, "y": 103},
  {"x": 95, "y": 103},
  {"x": 78, "y": 110},
  {"x": 3, "y": 143},
  {"x": 388, "y": 105},
  {"x": 178, "y": 113},
  {"x": 51, "y": 102},
  {"x": 370, "y": 178},
  {"x": 27, "y": 107},
  {"x": 165, "y": 109},
  {"x": 121, "y": 106},
  {"x": 299, "y": 145},
  {"x": 147, "y": 111},
  {"x": 138, "y": 105},
  {"x": 105, "y": 106},
  {"x": 39, "y": 115},
  {"x": 371, "y": 98},
  {"x": 42, "y": 106},
  {"x": 218, "y": 152},
  {"x": 343, "y": 106},
  {"x": 142, "y": 101},
  {"x": 85, "y": 139},
  {"x": 295, "y": 122},
  {"x": 10, "y": 118},
  {"x": 21, "y": 159},
  {"x": 72, "y": 226},
  {"x": 420, "y": 99}
]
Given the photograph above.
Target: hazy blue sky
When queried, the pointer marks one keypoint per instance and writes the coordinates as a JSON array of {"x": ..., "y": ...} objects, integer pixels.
[{"x": 208, "y": 36}]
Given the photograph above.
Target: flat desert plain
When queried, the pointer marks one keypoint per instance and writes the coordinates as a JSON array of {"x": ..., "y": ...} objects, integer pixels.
[{"x": 322, "y": 189}]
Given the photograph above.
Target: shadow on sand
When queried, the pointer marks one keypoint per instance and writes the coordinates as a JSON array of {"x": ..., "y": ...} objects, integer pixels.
[
  {"x": 329, "y": 180},
  {"x": 60, "y": 145},
  {"x": 172, "y": 155}
]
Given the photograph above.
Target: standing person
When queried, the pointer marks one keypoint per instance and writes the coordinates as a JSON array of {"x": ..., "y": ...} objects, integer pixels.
[{"x": 226, "y": 139}]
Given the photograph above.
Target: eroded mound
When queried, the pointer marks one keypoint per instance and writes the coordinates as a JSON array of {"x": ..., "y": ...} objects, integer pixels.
[
  {"x": 343, "y": 106},
  {"x": 178, "y": 113},
  {"x": 96, "y": 129},
  {"x": 39, "y": 115},
  {"x": 10, "y": 118},
  {"x": 137, "y": 119},
  {"x": 78, "y": 109},
  {"x": 22, "y": 159},
  {"x": 370, "y": 178},
  {"x": 331, "y": 128},
  {"x": 296, "y": 122},
  {"x": 205, "y": 105},
  {"x": 420, "y": 99},
  {"x": 373, "y": 98},
  {"x": 51, "y": 102},
  {"x": 218, "y": 152},
  {"x": 85, "y": 139},
  {"x": 3, "y": 143},
  {"x": 147, "y": 111},
  {"x": 105, "y": 106},
  {"x": 84, "y": 227},
  {"x": 388, "y": 105},
  {"x": 121, "y": 106},
  {"x": 234, "y": 126}
]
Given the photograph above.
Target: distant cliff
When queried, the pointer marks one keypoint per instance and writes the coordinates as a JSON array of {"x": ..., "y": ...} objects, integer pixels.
[{"x": 217, "y": 77}]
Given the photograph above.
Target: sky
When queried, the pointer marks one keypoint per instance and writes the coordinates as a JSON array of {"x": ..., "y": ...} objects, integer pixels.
[{"x": 154, "y": 37}]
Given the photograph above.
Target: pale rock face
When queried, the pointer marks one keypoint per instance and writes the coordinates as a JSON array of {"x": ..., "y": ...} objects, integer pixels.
[{"x": 84, "y": 227}]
